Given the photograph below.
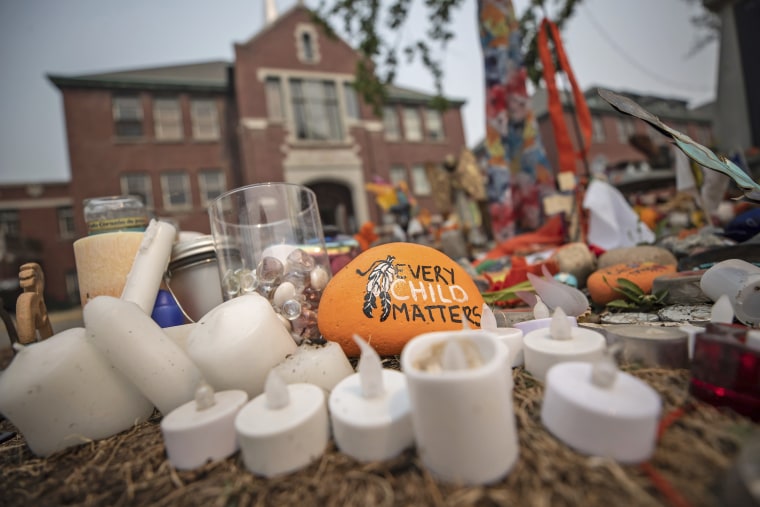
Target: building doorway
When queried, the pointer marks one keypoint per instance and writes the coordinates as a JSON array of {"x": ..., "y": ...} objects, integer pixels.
[{"x": 336, "y": 207}]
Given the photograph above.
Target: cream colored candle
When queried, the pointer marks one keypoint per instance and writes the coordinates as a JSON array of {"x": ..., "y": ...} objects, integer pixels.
[
  {"x": 149, "y": 266},
  {"x": 61, "y": 392}
]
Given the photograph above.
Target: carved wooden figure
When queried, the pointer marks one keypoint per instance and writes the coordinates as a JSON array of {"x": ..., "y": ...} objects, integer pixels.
[{"x": 31, "y": 312}]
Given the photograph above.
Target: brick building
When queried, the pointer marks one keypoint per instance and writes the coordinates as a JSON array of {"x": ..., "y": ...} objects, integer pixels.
[{"x": 179, "y": 135}]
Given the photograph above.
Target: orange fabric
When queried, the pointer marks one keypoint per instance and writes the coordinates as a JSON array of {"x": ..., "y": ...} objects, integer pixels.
[
  {"x": 552, "y": 233},
  {"x": 567, "y": 155}
]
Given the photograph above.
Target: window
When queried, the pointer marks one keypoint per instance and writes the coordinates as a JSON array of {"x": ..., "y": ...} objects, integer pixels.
[
  {"x": 66, "y": 227},
  {"x": 212, "y": 184},
  {"x": 10, "y": 224},
  {"x": 315, "y": 107},
  {"x": 397, "y": 174},
  {"x": 625, "y": 130},
  {"x": 597, "y": 129},
  {"x": 307, "y": 44},
  {"x": 138, "y": 184},
  {"x": 412, "y": 127},
  {"x": 175, "y": 189},
  {"x": 352, "y": 104},
  {"x": 127, "y": 116},
  {"x": 433, "y": 125},
  {"x": 167, "y": 119},
  {"x": 390, "y": 122},
  {"x": 274, "y": 98},
  {"x": 420, "y": 182},
  {"x": 205, "y": 119},
  {"x": 72, "y": 287}
]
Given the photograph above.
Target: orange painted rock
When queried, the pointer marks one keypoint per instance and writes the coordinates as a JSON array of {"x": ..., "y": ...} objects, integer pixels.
[
  {"x": 391, "y": 293},
  {"x": 642, "y": 274}
]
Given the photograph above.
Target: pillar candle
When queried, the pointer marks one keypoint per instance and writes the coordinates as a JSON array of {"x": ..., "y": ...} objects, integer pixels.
[
  {"x": 460, "y": 391},
  {"x": 283, "y": 429},
  {"x": 512, "y": 337},
  {"x": 138, "y": 348},
  {"x": 149, "y": 265},
  {"x": 238, "y": 342},
  {"x": 61, "y": 392},
  {"x": 369, "y": 410},
  {"x": 323, "y": 365}
]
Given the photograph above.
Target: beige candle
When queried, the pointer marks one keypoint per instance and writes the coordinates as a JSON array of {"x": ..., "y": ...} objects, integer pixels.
[{"x": 103, "y": 262}]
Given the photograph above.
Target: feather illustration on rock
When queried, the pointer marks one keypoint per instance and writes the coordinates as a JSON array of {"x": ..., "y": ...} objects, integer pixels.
[
  {"x": 381, "y": 276},
  {"x": 695, "y": 151}
]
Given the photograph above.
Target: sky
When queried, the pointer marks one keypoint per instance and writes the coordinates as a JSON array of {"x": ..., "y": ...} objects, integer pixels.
[{"x": 639, "y": 46}]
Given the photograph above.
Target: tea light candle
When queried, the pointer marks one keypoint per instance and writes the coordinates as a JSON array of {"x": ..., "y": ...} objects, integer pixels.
[
  {"x": 651, "y": 345},
  {"x": 130, "y": 340},
  {"x": 323, "y": 365},
  {"x": 560, "y": 342},
  {"x": 598, "y": 410},
  {"x": 238, "y": 342},
  {"x": 460, "y": 392},
  {"x": 284, "y": 429},
  {"x": 369, "y": 410},
  {"x": 541, "y": 318},
  {"x": 149, "y": 265},
  {"x": 61, "y": 392},
  {"x": 202, "y": 430},
  {"x": 509, "y": 336}
]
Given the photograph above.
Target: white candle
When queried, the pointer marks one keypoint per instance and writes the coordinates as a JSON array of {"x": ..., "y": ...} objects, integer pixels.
[
  {"x": 370, "y": 412},
  {"x": 150, "y": 265},
  {"x": 541, "y": 318},
  {"x": 179, "y": 334},
  {"x": 61, "y": 392},
  {"x": 598, "y": 410},
  {"x": 202, "y": 430},
  {"x": 740, "y": 281},
  {"x": 323, "y": 365},
  {"x": 138, "y": 348},
  {"x": 460, "y": 390},
  {"x": 560, "y": 342},
  {"x": 284, "y": 429},
  {"x": 238, "y": 342},
  {"x": 509, "y": 336}
]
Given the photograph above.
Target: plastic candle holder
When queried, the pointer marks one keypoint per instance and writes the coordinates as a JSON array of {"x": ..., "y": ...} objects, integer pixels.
[{"x": 370, "y": 412}]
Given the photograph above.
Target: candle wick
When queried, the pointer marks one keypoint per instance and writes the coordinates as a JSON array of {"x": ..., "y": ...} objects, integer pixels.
[
  {"x": 370, "y": 370},
  {"x": 204, "y": 396},
  {"x": 559, "y": 328},
  {"x": 722, "y": 311},
  {"x": 540, "y": 310},
  {"x": 453, "y": 356},
  {"x": 276, "y": 391},
  {"x": 605, "y": 370}
]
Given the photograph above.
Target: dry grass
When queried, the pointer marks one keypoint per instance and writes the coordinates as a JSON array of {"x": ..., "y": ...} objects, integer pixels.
[{"x": 131, "y": 469}]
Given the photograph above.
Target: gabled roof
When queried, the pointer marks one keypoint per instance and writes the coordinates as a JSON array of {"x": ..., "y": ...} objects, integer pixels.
[{"x": 199, "y": 76}]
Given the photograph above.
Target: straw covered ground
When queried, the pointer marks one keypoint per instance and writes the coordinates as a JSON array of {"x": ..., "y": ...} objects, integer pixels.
[{"x": 697, "y": 447}]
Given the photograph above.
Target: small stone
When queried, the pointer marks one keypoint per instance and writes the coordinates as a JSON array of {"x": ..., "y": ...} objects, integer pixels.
[
  {"x": 291, "y": 309},
  {"x": 286, "y": 291},
  {"x": 270, "y": 270},
  {"x": 629, "y": 318},
  {"x": 637, "y": 254},
  {"x": 686, "y": 313},
  {"x": 299, "y": 261},
  {"x": 577, "y": 260}
]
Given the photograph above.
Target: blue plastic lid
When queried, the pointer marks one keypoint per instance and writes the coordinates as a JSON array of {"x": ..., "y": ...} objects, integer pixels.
[{"x": 166, "y": 311}]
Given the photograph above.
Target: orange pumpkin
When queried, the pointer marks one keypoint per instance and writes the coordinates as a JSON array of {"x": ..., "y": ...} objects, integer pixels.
[
  {"x": 393, "y": 292},
  {"x": 642, "y": 274}
]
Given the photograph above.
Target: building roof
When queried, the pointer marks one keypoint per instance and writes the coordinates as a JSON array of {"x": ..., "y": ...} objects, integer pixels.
[{"x": 666, "y": 108}]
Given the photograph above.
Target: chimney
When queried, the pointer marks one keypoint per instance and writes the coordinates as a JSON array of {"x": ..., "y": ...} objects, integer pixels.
[{"x": 270, "y": 11}]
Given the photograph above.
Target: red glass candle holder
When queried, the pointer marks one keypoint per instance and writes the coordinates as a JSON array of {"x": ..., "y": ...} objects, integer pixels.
[{"x": 725, "y": 370}]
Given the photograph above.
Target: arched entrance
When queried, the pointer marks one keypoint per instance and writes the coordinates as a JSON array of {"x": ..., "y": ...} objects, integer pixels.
[{"x": 336, "y": 207}]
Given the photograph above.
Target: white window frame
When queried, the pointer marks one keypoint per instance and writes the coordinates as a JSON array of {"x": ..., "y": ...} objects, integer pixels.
[
  {"x": 205, "y": 119},
  {"x": 274, "y": 97},
  {"x": 391, "y": 124},
  {"x": 206, "y": 185},
  {"x": 412, "y": 124},
  {"x": 167, "y": 119},
  {"x": 397, "y": 174},
  {"x": 420, "y": 182},
  {"x": 351, "y": 101},
  {"x": 167, "y": 191},
  {"x": 143, "y": 188},
  {"x": 434, "y": 125},
  {"x": 310, "y": 31},
  {"x": 66, "y": 225},
  {"x": 127, "y": 109}
]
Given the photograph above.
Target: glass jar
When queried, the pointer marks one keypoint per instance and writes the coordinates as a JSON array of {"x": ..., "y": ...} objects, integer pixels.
[{"x": 115, "y": 213}]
